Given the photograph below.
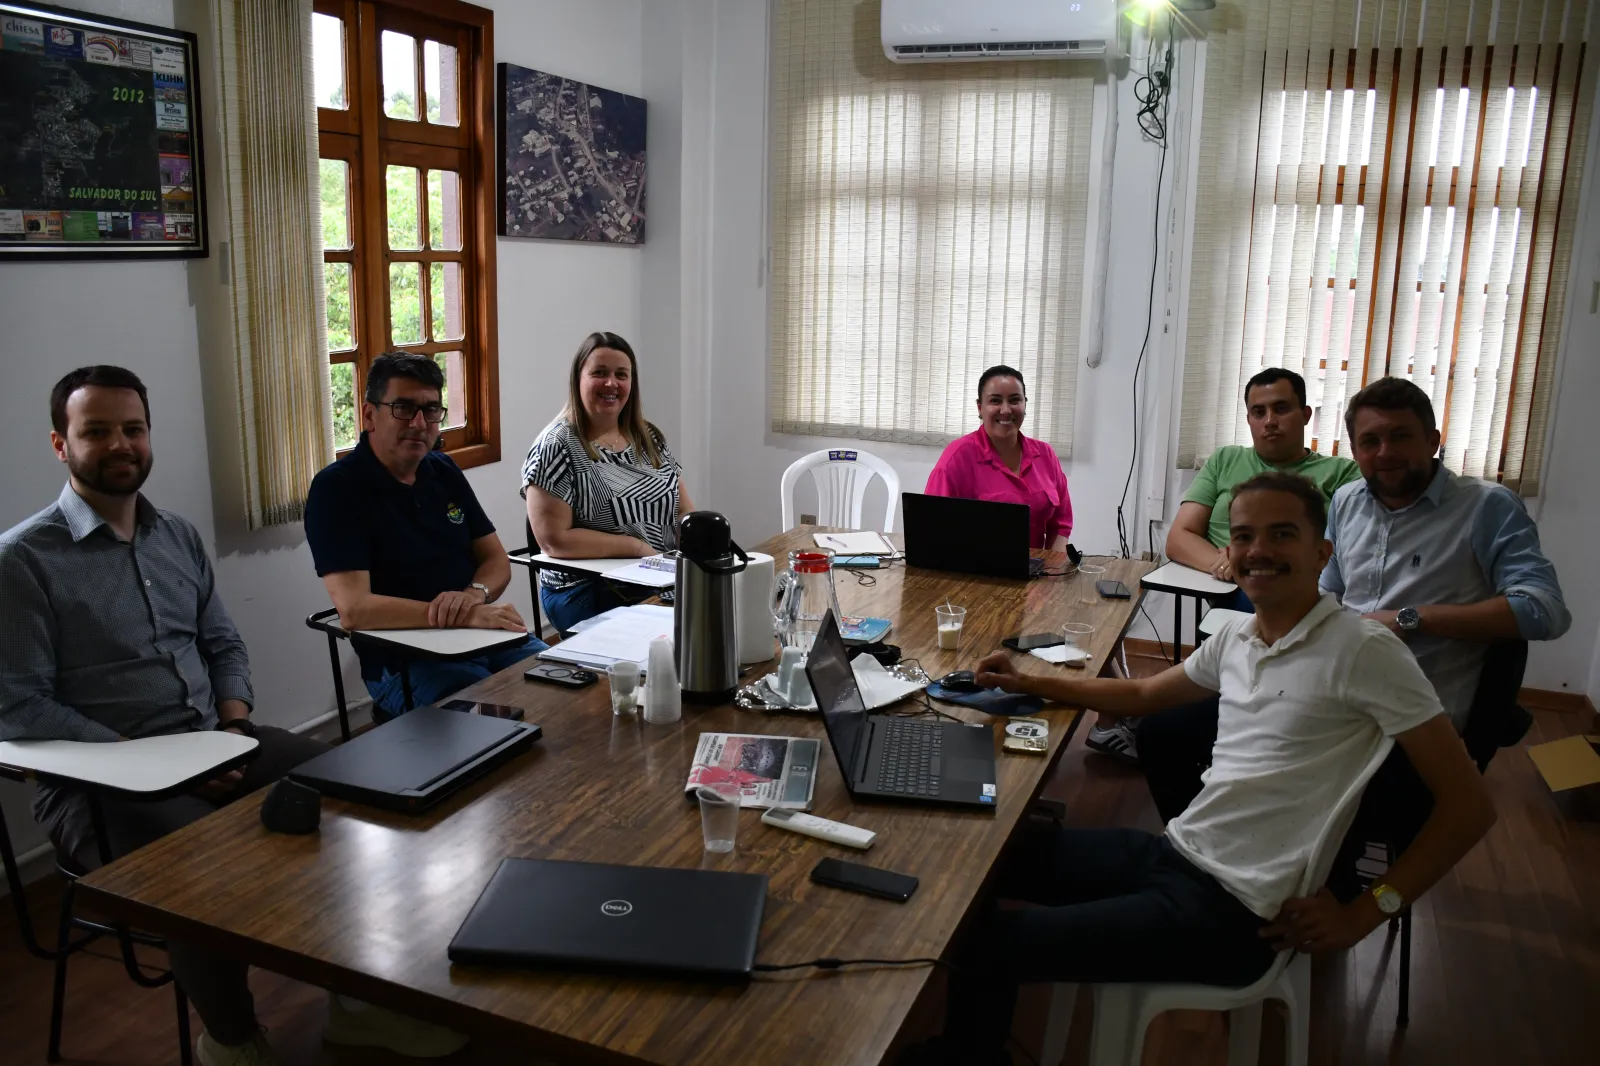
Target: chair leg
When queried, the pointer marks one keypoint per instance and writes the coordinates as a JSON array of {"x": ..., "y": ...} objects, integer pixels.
[
  {"x": 1297, "y": 976},
  {"x": 58, "y": 1000},
  {"x": 1114, "y": 1041},
  {"x": 405, "y": 685},
  {"x": 1244, "y": 1035},
  {"x": 338, "y": 687},
  {"x": 1403, "y": 1018},
  {"x": 185, "y": 1044},
  {"x": 1058, "y": 1024}
]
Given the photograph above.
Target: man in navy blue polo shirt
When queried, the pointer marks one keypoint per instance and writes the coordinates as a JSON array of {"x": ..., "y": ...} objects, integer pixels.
[{"x": 400, "y": 541}]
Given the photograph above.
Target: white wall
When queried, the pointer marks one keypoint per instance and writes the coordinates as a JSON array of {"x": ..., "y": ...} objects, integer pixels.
[{"x": 163, "y": 320}]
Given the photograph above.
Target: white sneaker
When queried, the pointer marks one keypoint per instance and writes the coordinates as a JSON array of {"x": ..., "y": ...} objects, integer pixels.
[
  {"x": 1116, "y": 741},
  {"x": 352, "y": 1023},
  {"x": 255, "y": 1052}
]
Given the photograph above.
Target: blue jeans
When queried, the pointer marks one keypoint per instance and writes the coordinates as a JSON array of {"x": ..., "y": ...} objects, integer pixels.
[
  {"x": 1237, "y": 601},
  {"x": 432, "y": 681},
  {"x": 568, "y": 606}
]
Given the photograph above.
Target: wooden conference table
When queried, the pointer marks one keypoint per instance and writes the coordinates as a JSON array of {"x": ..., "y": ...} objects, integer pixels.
[{"x": 367, "y": 905}]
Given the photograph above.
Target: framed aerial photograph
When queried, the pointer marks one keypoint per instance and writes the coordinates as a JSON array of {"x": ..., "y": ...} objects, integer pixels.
[
  {"x": 99, "y": 138},
  {"x": 571, "y": 159}
]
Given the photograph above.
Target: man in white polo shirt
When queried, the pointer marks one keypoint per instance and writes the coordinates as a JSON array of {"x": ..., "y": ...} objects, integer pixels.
[{"x": 1307, "y": 693}]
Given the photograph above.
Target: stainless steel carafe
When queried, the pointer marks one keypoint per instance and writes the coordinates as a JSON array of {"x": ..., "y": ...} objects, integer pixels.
[{"x": 703, "y": 627}]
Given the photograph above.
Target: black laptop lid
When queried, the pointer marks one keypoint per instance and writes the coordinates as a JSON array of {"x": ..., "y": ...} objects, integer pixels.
[
  {"x": 966, "y": 536},
  {"x": 541, "y": 913},
  {"x": 409, "y": 752},
  {"x": 844, "y": 714}
]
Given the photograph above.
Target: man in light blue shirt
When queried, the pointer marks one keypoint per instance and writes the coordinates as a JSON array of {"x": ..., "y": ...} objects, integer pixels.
[{"x": 1450, "y": 564}]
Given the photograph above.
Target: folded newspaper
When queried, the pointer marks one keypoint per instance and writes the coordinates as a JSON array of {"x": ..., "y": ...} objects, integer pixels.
[{"x": 769, "y": 771}]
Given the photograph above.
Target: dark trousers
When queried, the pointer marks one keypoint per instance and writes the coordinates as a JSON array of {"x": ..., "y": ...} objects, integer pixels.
[
  {"x": 1110, "y": 905},
  {"x": 1174, "y": 750},
  {"x": 215, "y": 984}
]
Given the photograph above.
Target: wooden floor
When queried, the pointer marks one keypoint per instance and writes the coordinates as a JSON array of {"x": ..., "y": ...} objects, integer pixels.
[{"x": 1505, "y": 967}]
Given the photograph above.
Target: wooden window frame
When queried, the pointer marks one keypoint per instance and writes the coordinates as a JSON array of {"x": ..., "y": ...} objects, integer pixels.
[{"x": 369, "y": 141}]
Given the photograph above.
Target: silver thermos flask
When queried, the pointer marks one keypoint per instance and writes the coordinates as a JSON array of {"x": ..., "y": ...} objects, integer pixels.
[{"x": 703, "y": 627}]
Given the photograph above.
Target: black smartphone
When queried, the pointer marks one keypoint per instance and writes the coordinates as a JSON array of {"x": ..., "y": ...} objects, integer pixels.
[
  {"x": 1113, "y": 590},
  {"x": 488, "y": 710},
  {"x": 1029, "y": 641},
  {"x": 853, "y": 877},
  {"x": 557, "y": 674}
]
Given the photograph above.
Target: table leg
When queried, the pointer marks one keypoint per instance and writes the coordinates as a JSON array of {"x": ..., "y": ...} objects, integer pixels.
[
  {"x": 1177, "y": 628},
  {"x": 405, "y": 684}
]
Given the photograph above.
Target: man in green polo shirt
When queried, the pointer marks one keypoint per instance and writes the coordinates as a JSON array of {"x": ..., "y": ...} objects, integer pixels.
[{"x": 1275, "y": 405}]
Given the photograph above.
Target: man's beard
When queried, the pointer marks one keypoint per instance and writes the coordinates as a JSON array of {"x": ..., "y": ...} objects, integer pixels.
[
  {"x": 113, "y": 477},
  {"x": 1414, "y": 482}
]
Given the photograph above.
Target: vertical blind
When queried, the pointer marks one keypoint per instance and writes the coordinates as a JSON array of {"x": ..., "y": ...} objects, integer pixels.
[
  {"x": 927, "y": 222},
  {"x": 269, "y": 127},
  {"x": 1389, "y": 187}
]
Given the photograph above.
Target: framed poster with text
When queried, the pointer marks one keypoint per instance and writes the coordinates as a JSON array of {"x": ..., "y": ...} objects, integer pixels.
[{"x": 99, "y": 138}]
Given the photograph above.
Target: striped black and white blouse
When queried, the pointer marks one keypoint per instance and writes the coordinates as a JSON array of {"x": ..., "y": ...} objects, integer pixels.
[{"x": 618, "y": 493}]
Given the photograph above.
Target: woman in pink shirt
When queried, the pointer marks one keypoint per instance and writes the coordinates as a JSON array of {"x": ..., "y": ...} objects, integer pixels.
[{"x": 998, "y": 463}]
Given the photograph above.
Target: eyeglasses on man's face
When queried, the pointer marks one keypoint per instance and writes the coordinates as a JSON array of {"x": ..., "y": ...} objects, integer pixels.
[{"x": 406, "y": 411}]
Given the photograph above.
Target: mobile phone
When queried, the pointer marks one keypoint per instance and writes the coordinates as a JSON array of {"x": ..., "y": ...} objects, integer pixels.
[
  {"x": 488, "y": 710},
  {"x": 1113, "y": 590},
  {"x": 853, "y": 877},
  {"x": 1029, "y": 641},
  {"x": 858, "y": 562},
  {"x": 557, "y": 674}
]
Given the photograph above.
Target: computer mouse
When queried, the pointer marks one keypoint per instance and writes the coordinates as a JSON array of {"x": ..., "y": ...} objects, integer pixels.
[{"x": 960, "y": 681}]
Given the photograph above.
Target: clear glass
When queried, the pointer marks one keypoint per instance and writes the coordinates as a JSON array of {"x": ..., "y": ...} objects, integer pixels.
[
  {"x": 335, "y": 175},
  {"x": 341, "y": 317},
  {"x": 1089, "y": 577},
  {"x": 624, "y": 677},
  {"x": 950, "y": 623},
  {"x": 1078, "y": 635},
  {"x": 444, "y": 300},
  {"x": 719, "y": 815},
  {"x": 439, "y": 84},
  {"x": 342, "y": 389},
  {"x": 399, "y": 76},
  {"x": 403, "y": 209},
  {"x": 455, "y": 387},
  {"x": 405, "y": 303},
  {"x": 444, "y": 210},
  {"x": 327, "y": 61}
]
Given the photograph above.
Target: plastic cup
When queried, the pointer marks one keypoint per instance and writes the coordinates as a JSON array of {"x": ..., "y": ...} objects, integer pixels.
[
  {"x": 951, "y": 621},
  {"x": 1078, "y": 635},
  {"x": 624, "y": 678},
  {"x": 1089, "y": 577},
  {"x": 719, "y": 815}
]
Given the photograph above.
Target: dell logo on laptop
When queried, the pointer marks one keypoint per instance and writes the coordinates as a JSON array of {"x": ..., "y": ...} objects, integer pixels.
[{"x": 616, "y": 908}]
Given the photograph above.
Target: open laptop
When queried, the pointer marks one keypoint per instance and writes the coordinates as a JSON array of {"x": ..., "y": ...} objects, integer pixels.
[
  {"x": 896, "y": 758},
  {"x": 416, "y": 760},
  {"x": 544, "y": 914},
  {"x": 968, "y": 536}
]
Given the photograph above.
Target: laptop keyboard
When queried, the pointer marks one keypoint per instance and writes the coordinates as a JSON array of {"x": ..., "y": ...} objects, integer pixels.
[{"x": 909, "y": 748}]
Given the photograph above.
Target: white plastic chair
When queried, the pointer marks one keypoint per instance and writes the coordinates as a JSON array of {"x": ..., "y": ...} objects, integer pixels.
[
  {"x": 1214, "y": 618},
  {"x": 841, "y": 476},
  {"x": 1122, "y": 1012}
]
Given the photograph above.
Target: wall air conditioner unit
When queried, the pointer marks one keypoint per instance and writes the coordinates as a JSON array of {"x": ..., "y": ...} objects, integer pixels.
[{"x": 966, "y": 31}]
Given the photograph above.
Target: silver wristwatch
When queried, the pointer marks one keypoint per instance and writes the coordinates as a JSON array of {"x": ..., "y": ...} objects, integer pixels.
[
  {"x": 481, "y": 588},
  {"x": 1408, "y": 619}
]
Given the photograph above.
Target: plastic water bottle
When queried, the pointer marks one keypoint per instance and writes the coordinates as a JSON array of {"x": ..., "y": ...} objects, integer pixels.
[{"x": 663, "y": 700}]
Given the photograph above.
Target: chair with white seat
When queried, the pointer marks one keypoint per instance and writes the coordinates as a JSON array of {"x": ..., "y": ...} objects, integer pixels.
[
  {"x": 841, "y": 476},
  {"x": 1215, "y": 618},
  {"x": 1122, "y": 1012}
]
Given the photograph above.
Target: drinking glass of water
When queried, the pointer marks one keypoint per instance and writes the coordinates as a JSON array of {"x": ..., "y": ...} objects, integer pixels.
[{"x": 719, "y": 814}]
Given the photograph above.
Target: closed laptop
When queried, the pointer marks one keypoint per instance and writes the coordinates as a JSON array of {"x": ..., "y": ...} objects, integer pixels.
[{"x": 549, "y": 914}]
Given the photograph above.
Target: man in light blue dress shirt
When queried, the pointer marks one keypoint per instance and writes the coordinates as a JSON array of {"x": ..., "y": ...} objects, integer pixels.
[{"x": 1450, "y": 564}]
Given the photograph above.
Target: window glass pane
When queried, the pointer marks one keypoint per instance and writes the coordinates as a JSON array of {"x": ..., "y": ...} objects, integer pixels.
[
  {"x": 405, "y": 303},
  {"x": 327, "y": 61},
  {"x": 444, "y": 300},
  {"x": 335, "y": 203},
  {"x": 439, "y": 77},
  {"x": 455, "y": 387},
  {"x": 444, "y": 210},
  {"x": 404, "y": 232},
  {"x": 341, "y": 322},
  {"x": 342, "y": 388},
  {"x": 399, "y": 75}
]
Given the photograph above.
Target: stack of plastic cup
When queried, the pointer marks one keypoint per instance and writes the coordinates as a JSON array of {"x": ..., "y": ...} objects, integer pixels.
[{"x": 663, "y": 699}]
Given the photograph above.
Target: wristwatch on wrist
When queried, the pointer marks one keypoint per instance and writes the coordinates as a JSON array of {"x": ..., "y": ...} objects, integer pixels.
[
  {"x": 481, "y": 588},
  {"x": 1408, "y": 619},
  {"x": 243, "y": 724},
  {"x": 1388, "y": 899}
]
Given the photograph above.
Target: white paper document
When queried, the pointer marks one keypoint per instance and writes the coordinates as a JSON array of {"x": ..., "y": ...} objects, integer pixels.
[
  {"x": 618, "y": 635},
  {"x": 860, "y": 543},
  {"x": 656, "y": 571}
]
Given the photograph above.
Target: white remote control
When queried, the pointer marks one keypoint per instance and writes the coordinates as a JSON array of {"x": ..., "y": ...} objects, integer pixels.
[{"x": 833, "y": 832}]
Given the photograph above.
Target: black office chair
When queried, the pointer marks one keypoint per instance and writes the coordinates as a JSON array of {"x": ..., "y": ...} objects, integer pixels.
[
  {"x": 524, "y": 557},
  {"x": 1494, "y": 721},
  {"x": 66, "y": 946}
]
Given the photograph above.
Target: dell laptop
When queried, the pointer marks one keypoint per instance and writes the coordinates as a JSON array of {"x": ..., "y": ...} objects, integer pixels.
[
  {"x": 968, "y": 536},
  {"x": 544, "y": 914},
  {"x": 416, "y": 760},
  {"x": 939, "y": 762}
]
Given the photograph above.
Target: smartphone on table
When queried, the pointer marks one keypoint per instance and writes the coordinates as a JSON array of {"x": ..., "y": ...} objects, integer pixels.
[
  {"x": 1030, "y": 641},
  {"x": 558, "y": 674},
  {"x": 853, "y": 877},
  {"x": 488, "y": 710}
]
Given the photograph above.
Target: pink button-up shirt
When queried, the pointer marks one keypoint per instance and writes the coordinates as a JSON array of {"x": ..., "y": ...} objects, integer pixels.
[{"x": 972, "y": 469}]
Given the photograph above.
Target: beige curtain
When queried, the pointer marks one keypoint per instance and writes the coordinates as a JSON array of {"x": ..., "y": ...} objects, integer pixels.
[
  {"x": 927, "y": 222},
  {"x": 269, "y": 126},
  {"x": 1389, "y": 188}
]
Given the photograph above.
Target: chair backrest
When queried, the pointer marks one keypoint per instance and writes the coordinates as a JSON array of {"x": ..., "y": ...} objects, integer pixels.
[
  {"x": 1344, "y": 812},
  {"x": 841, "y": 476},
  {"x": 1496, "y": 720}
]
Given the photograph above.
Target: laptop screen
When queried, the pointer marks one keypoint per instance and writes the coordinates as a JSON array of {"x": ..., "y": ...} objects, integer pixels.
[{"x": 834, "y": 685}]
